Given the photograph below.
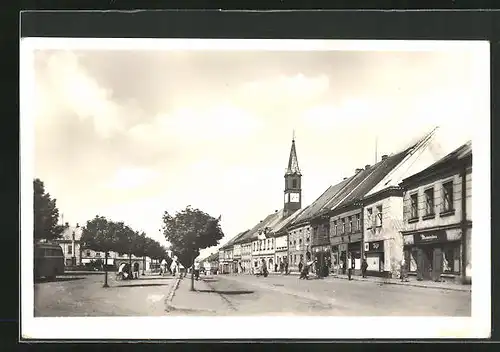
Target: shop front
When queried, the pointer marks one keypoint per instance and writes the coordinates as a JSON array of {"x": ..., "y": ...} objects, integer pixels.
[
  {"x": 322, "y": 255},
  {"x": 433, "y": 255},
  {"x": 374, "y": 252}
]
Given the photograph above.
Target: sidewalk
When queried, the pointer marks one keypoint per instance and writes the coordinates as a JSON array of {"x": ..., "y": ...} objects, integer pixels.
[
  {"x": 451, "y": 286},
  {"x": 201, "y": 300}
]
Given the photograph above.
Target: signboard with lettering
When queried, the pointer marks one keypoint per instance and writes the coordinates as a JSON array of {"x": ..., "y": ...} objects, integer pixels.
[
  {"x": 377, "y": 246},
  {"x": 431, "y": 237}
]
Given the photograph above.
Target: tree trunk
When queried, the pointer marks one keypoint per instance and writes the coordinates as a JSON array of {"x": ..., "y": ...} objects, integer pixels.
[
  {"x": 192, "y": 274},
  {"x": 143, "y": 264},
  {"x": 131, "y": 271},
  {"x": 105, "y": 269}
]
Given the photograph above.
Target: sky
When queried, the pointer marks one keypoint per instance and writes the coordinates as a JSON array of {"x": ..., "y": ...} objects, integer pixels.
[{"x": 130, "y": 134}]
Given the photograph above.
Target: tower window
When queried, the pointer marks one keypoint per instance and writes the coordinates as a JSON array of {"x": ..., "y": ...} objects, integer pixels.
[{"x": 294, "y": 183}]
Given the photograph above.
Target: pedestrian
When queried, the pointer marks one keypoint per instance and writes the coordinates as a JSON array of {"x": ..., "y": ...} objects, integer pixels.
[
  {"x": 403, "y": 275},
  {"x": 364, "y": 266},
  {"x": 196, "y": 270},
  {"x": 286, "y": 268},
  {"x": 264, "y": 268},
  {"x": 300, "y": 266},
  {"x": 276, "y": 267},
  {"x": 136, "y": 270},
  {"x": 349, "y": 266}
]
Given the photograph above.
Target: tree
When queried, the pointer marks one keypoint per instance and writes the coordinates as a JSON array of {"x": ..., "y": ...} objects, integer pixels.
[
  {"x": 46, "y": 214},
  {"x": 141, "y": 249},
  {"x": 100, "y": 235},
  {"x": 189, "y": 231},
  {"x": 127, "y": 242}
]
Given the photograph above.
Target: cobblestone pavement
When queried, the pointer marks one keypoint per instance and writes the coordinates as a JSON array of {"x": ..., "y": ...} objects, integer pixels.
[
  {"x": 250, "y": 295},
  {"x": 83, "y": 295}
]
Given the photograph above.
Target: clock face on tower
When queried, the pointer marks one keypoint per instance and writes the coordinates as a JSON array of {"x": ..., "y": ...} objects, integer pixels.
[{"x": 294, "y": 197}]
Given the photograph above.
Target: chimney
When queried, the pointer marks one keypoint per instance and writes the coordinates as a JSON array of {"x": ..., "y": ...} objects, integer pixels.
[
  {"x": 384, "y": 157},
  {"x": 357, "y": 171},
  {"x": 367, "y": 167}
]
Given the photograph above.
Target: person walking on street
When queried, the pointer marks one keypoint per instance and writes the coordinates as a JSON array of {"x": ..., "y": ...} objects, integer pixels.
[
  {"x": 264, "y": 268},
  {"x": 349, "y": 266},
  {"x": 196, "y": 270},
  {"x": 403, "y": 275},
  {"x": 301, "y": 265},
  {"x": 364, "y": 267}
]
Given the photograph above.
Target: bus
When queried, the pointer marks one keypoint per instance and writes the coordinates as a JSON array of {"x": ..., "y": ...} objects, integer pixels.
[{"x": 49, "y": 260}]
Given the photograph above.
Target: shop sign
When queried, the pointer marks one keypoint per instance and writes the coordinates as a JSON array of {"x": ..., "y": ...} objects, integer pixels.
[
  {"x": 430, "y": 237},
  {"x": 377, "y": 246}
]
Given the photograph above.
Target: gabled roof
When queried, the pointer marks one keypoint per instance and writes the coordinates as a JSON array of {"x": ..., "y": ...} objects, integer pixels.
[
  {"x": 270, "y": 221},
  {"x": 67, "y": 233},
  {"x": 315, "y": 207},
  {"x": 370, "y": 178},
  {"x": 284, "y": 222},
  {"x": 211, "y": 258},
  {"x": 423, "y": 153},
  {"x": 232, "y": 240},
  {"x": 461, "y": 153},
  {"x": 293, "y": 161}
]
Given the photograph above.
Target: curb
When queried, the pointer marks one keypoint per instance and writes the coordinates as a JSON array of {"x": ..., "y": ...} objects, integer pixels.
[{"x": 171, "y": 294}]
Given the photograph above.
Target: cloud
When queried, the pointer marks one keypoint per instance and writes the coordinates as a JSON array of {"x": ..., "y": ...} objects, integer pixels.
[
  {"x": 129, "y": 178},
  {"x": 67, "y": 87}
]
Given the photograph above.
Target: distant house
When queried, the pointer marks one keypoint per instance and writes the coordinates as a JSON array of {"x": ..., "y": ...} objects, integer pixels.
[{"x": 70, "y": 243}]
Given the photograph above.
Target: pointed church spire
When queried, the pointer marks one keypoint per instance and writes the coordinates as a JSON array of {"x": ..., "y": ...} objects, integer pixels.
[{"x": 293, "y": 162}]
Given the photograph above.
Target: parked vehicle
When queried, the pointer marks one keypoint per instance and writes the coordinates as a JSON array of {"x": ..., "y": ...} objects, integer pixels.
[{"x": 49, "y": 260}]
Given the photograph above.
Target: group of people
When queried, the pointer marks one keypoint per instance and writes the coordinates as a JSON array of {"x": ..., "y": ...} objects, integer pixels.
[{"x": 125, "y": 272}]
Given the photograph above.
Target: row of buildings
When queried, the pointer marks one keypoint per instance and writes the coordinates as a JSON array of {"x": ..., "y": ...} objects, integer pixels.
[{"x": 414, "y": 204}]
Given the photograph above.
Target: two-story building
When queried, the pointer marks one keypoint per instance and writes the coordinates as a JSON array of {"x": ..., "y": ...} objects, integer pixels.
[
  {"x": 70, "y": 244},
  {"x": 237, "y": 253},
  {"x": 383, "y": 208},
  {"x": 438, "y": 220}
]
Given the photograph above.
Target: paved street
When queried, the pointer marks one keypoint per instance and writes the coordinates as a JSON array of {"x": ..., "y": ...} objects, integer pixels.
[
  {"x": 250, "y": 295},
  {"x": 80, "y": 295},
  {"x": 83, "y": 295}
]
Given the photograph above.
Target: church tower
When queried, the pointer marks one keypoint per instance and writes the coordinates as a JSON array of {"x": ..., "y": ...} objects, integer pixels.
[{"x": 293, "y": 190}]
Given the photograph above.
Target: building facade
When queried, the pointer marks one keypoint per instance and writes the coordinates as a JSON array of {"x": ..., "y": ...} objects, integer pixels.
[
  {"x": 70, "y": 244},
  {"x": 438, "y": 220}
]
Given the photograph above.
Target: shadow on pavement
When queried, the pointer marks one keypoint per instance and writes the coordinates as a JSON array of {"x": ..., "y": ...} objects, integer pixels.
[
  {"x": 57, "y": 279},
  {"x": 210, "y": 280},
  {"x": 240, "y": 292},
  {"x": 140, "y": 285}
]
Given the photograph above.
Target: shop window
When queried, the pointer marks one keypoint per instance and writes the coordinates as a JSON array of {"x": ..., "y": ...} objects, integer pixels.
[
  {"x": 358, "y": 222},
  {"x": 451, "y": 259},
  {"x": 448, "y": 196},
  {"x": 429, "y": 201},
  {"x": 70, "y": 249},
  {"x": 378, "y": 220},
  {"x": 349, "y": 224},
  {"x": 414, "y": 206},
  {"x": 369, "y": 218}
]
